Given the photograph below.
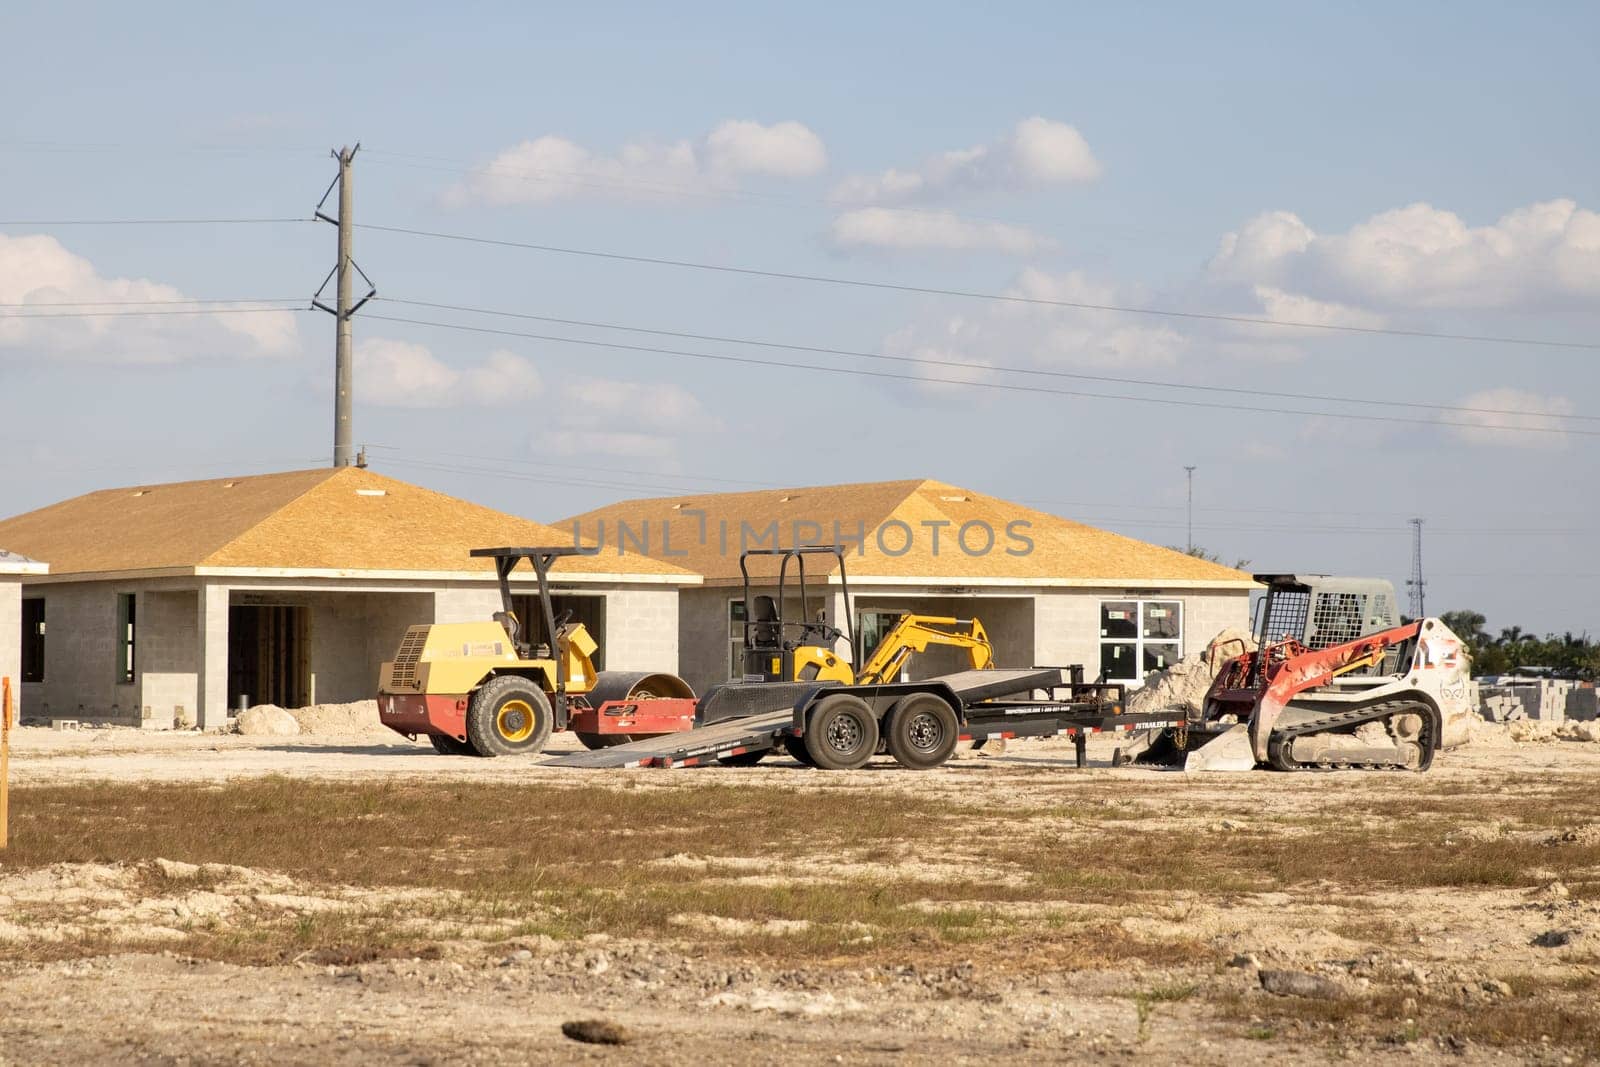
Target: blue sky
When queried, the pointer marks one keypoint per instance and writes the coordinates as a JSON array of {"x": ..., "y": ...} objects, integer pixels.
[{"x": 1427, "y": 169}]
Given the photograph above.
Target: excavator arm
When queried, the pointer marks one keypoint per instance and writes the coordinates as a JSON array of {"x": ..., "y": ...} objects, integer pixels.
[{"x": 913, "y": 634}]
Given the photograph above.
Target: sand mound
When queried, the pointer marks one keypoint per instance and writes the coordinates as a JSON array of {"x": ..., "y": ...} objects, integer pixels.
[
  {"x": 358, "y": 719},
  {"x": 1185, "y": 683},
  {"x": 266, "y": 720}
]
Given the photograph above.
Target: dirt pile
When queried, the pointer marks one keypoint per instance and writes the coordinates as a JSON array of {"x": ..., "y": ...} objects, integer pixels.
[
  {"x": 266, "y": 720},
  {"x": 1184, "y": 684},
  {"x": 357, "y": 719},
  {"x": 1526, "y": 730}
]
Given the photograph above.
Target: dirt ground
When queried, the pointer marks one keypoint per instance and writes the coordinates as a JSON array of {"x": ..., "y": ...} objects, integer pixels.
[{"x": 1005, "y": 906}]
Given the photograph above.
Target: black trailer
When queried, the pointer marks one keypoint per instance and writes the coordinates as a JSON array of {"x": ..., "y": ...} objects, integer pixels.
[{"x": 840, "y": 727}]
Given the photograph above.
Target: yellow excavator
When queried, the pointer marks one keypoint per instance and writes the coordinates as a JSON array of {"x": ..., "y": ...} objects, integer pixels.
[{"x": 777, "y": 650}]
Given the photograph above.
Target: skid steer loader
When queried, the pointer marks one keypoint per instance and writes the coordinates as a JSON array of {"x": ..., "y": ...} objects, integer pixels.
[{"x": 1336, "y": 681}]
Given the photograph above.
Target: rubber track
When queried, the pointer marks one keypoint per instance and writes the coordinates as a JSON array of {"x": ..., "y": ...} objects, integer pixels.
[{"x": 1278, "y": 744}]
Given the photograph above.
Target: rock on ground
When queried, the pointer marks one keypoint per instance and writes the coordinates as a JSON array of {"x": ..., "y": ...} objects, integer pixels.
[{"x": 266, "y": 720}]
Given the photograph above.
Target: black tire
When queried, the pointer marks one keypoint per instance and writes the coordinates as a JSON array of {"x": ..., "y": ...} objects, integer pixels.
[
  {"x": 449, "y": 746},
  {"x": 744, "y": 759},
  {"x": 841, "y": 733},
  {"x": 921, "y": 731},
  {"x": 594, "y": 741},
  {"x": 509, "y": 716},
  {"x": 796, "y": 748}
]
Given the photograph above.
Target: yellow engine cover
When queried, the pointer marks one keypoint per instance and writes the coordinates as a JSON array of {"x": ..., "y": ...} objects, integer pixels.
[{"x": 455, "y": 658}]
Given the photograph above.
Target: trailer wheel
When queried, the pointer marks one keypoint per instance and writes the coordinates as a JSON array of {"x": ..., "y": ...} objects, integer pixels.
[
  {"x": 796, "y": 747},
  {"x": 841, "y": 733},
  {"x": 597, "y": 741},
  {"x": 449, "y": 746},
  {"x": 921, "y": 731},
  {"x": 509, "y": 716}
]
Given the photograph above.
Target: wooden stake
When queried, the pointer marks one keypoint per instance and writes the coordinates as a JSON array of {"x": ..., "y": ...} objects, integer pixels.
[{"x": 5, "y": 760}]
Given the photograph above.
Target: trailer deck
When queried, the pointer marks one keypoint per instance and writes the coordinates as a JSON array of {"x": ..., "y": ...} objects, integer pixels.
[{"x": 994, "y": 703}]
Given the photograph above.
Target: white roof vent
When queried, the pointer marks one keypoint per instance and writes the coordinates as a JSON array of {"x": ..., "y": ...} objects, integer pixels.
[{"x": 372, "y": 492}]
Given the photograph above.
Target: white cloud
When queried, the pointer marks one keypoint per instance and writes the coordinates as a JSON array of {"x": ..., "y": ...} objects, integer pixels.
[
  {"x": 1292, "y": 307},
  {"x": 1515, "y": 419},
  {"x": 555, "y": 168},
  {"x": 1036, "y": 152},
  {"x": 37, "y": 270},
  {"x": 402, "y": 374},
  {"x": 878, "y": 227},
  {"x": 640, "y": 420},
  {"x": 1040, "y": 336},
  {"x": 1416, "y": 257},
  {"x": 784, "y": 149}
]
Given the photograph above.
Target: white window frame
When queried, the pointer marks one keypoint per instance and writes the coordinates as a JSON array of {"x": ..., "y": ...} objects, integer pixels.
[{"x": 1139, "y": 640}]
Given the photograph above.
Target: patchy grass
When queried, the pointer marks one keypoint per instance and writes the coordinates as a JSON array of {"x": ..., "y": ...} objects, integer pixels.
[
  {"x": 566, "y": 862},
  {"x": 1539, "y": 1013},
  {"x": 1024, "y": 888}
]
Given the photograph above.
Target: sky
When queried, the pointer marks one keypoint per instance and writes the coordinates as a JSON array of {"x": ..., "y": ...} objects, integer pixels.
[{"x": 1417, "y": 169}]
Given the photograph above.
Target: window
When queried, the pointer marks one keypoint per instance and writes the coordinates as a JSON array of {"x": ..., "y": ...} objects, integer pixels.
[
  {"x": 33, "y": 640},
  {"x": 736, "y": 639},
  {"x": 871, "y": 628},
  {"x": 1139, "y": 636},
  {"x": 126, "y": 620}
]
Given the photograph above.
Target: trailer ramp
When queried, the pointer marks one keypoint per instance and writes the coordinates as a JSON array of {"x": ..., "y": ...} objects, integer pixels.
[{"x": 700, "y": 745}]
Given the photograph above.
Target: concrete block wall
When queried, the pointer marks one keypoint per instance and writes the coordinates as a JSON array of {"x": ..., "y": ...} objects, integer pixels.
[
  {"x": 11, "y": 635},
  {"x": 1207, "y": 614},
  {"x": 352, "y": 634},
  {"x": 166, "y": 657},
  {"x": 80, "y": 653},
  {"x": 641, "y": 629},
  {"x": 465, "y": 603},
  {"x": 1583, "y": 703}
]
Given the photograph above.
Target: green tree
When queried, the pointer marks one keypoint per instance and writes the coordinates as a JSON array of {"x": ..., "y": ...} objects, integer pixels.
[{"x": 1211, "y": 557}]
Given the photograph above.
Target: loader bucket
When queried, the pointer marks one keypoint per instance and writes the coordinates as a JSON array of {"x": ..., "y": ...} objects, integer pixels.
[
  {"x": 1228, "y": 751},
  {"x": 1264, "y": 718}
]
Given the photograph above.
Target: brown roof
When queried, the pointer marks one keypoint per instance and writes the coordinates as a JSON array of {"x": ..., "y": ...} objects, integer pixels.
[
  {"x": 1063, "y": 552},
  {"x": 326, "y": 520}
]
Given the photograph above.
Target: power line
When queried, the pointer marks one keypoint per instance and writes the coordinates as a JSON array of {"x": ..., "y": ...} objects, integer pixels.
[
  {"x": 154, "y": 303},
  {"x": 969, "y": 294},
  {"x": 554, "y": 176},
  {"x": 517, "y": 475},
  {"x": 1004, "y": 386},
  {"x": 563, "y": 465},
  {"x": 1096, "y": 505},
  {"x": 8, "y": 315},
  {"x": 985, "y": 367},
  {"x": 146, "y": 222}
]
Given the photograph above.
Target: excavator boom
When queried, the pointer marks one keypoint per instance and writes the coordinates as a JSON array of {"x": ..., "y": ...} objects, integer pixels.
[{"x": 913, "y": 634}]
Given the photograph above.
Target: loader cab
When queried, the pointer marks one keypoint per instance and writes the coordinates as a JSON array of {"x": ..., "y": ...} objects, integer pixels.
[
  {"x": 781, "y": 648},
  {"x": 1320, "y": 610}
]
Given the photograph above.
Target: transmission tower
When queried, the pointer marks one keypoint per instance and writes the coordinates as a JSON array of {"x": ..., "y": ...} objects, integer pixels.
[
  {"x": 344, "y": 450},
  {"x": 1415, "y": 583}
]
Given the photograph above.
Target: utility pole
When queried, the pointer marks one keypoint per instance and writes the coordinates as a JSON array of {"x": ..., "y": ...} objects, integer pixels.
[
  {"x": 1189, "y": 475},
  {"x": 344, "y": 269},
  {"x": 1415, "y": 583}
]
